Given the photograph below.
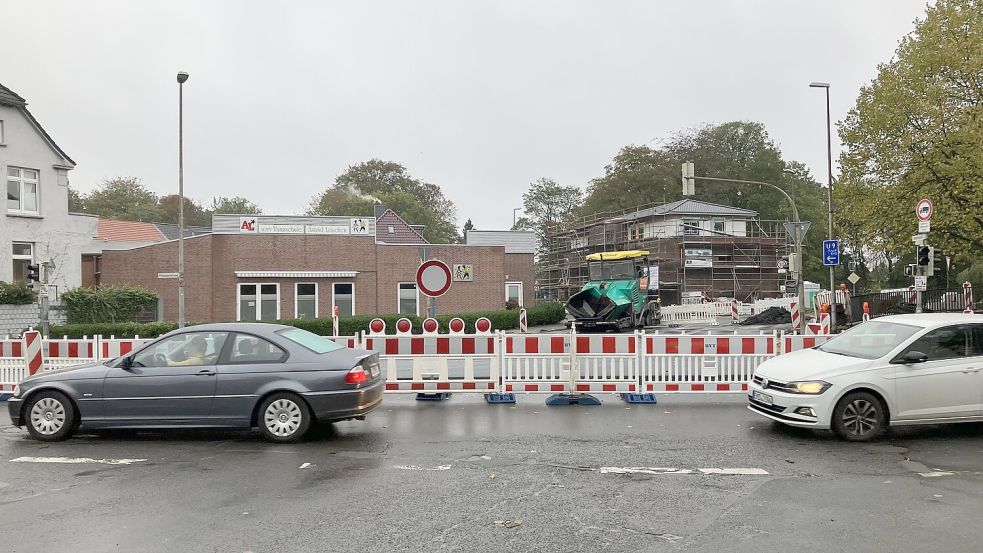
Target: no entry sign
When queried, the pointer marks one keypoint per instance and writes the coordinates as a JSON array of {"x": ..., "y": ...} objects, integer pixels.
[{"x": 433, "y": 278}]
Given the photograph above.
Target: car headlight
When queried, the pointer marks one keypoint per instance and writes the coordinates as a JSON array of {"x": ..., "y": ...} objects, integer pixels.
[{"x": 809, "y": 387}]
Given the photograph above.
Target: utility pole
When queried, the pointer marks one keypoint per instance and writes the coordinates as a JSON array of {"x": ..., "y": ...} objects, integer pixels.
[{"x": 829, "y": 196}]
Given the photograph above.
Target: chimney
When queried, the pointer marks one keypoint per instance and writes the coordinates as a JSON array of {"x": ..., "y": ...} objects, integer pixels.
[{"x": 379, "y": 210}]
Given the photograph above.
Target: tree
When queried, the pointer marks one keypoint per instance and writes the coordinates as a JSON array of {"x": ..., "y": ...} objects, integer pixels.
[
  {"x": 194, "y": 215},
  {"x": 76, "y": 201},
  {"x": 917, "y": 131},
  {"x": 384, "y": 182},
  {"x": 637, "y": 176},
  {"x": 234, "y": 205},
  {"x": 547, "y": 208},
  {"x": 123, "y": 198}
]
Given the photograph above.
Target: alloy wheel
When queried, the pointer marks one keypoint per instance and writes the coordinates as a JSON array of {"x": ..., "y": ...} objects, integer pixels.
[{"x": 860, "y": 417}]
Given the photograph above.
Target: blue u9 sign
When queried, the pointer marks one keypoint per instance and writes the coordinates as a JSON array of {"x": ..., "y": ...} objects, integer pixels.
[{"x": 831, "y": 252}]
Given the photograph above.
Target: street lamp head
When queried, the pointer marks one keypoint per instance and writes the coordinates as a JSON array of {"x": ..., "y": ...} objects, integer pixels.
[
  {"x": 181, "y": 77},
  {"x": 819, "y": 85}
]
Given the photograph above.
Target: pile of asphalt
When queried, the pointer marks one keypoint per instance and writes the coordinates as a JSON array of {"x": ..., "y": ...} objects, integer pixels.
[{"x": 770, "y": 316}]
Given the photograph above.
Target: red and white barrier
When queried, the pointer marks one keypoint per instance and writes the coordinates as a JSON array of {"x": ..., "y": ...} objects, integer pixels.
[
  {"x": 968, "y": 297},
  {"x": 796, "y": 317},
  {"x": 735, "y": 312},
  {"x": 702, "y": 363},
  {"x": 456, "y": 325},
  {"x": 824, "y": 322},
  {"x": 404, "y": 326},
  {"x": 523, "y": 321},
  {"x": 421, "y": 364},
  {"x": 430, "y": 327},
  {"x": 536, "y": 362},
  {"x": 32, "y": 351}
]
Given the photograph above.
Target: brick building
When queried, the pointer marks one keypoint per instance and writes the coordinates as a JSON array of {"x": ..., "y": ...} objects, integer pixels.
[{"x": 259, "y": 267}]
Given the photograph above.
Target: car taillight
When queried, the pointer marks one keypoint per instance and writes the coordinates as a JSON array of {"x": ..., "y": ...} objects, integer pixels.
[{"x": 356, "y": 376}]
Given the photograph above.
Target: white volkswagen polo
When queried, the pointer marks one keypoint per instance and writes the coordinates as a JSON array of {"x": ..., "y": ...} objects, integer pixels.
[{"x": 892, "y": 371}]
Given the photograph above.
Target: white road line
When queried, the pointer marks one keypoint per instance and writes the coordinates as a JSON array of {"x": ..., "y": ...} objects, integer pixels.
[
  {"x": 936, "y": 473},
  {"x": 414, "y": 467},
  {"x": 736, "y": 472},
  {"x": 668, "y": 470},
  {"x": 76, "y": 460}
]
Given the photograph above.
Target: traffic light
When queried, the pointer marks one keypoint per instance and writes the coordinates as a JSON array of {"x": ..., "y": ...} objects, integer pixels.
[
  {"x": 923, "y": 256},
  {"x": 909, "y": 270},
  {"x": 34, "y": 273},
  {"x": 938, "y": 260}
]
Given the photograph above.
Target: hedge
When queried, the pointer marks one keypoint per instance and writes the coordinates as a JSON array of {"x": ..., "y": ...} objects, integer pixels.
[
  {"x": 107, "y": 304},
  {"x": 16, "y": 293},
  {"x": 543, "y": 313}
]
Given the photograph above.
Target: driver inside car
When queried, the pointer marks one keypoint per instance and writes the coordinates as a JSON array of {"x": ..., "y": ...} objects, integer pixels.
[{"x": 194, "y": 354}]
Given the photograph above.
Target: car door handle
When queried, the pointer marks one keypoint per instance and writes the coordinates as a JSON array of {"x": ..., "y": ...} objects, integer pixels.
[
  {"x": 206, "y": 372},
  {"x": 971, "y": 371}
]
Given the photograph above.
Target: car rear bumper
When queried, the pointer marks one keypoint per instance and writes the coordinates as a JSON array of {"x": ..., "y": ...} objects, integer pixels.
[
  {"x": 347, "y": 404},
  {"x": 13, "y": 410}
]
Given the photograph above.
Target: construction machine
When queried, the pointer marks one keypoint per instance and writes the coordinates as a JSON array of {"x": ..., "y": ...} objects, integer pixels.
[{"x": 616, "y": 296}]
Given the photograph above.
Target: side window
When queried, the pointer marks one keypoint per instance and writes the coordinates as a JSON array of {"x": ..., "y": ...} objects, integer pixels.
[
  {"x": 191, "y": 349},
  {"x": 976, "y": 348},
  {"x": 252, "y": 349},
  {"x": 949, "y": 342}
]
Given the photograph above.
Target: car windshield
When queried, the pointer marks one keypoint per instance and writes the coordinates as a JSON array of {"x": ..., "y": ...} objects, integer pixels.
[
  {"x": 311, "y": 341},
  {"x": 870, "y": 340},
  {"x": 612, "y": 270}
]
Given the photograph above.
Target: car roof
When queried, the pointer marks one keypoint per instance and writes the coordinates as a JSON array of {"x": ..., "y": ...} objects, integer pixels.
[
  {"x": 253, "y": 328},
  {"x": 926, "y": 320}
]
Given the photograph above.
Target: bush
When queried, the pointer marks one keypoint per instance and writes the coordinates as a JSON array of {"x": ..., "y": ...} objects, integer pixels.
[
  {"x": 16, "y": 293},
  {"x": 545, "y": 313},
  {"x": 107, "y": 304}
]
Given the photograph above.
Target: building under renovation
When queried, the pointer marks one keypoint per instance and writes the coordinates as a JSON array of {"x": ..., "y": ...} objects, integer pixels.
[{"x": 698, "y": 250}]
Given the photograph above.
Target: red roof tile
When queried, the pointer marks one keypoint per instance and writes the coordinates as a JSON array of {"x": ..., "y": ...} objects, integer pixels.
[{"x": 128, "y": 231}]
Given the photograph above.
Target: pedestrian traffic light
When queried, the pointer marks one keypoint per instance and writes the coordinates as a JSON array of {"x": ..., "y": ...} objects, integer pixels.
[
  {"x": 909, "y": 270},
  {"x": 34, "y": 273}
]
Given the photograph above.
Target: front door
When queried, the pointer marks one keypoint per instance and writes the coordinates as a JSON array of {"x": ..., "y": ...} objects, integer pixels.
[
  {"x": 170, "y": 382},
  {"x": 947, "y": 385}
]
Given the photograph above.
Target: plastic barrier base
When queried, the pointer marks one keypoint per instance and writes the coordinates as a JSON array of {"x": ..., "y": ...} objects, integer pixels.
[
  {"x": 639, "y": 398},
  {"x": 433, "y": 397},
  {"x": 572, "y": 399},
  {"x": 500, "y": 398}
]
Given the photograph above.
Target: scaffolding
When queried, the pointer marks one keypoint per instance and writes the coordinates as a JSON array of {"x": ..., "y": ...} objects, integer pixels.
[{"x": 699, "y": 255}]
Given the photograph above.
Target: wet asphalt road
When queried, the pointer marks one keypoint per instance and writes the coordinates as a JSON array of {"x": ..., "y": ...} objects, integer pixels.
[{"x": 464, "y": 476}]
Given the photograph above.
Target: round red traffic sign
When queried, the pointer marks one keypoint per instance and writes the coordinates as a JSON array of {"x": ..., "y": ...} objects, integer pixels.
[
  {"x": 924, "y": 209},
  {"x": 433, "y": 278}
]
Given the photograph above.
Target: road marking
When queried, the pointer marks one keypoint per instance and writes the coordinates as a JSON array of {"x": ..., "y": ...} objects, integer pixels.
[
  {"x": 414, "y": 467},
  {"x": 736, "y": 472},
  {"x": 936, "y": 473},
  {"x": 668, "y": 470},
  {"x": 76, "y": 460}
]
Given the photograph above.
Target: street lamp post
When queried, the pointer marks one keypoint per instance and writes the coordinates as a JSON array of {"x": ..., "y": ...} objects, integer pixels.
[
  {"x": 181, "y": 78},
  {"x": 515, "y": 210},
  {"x": 829, "y": 196}
]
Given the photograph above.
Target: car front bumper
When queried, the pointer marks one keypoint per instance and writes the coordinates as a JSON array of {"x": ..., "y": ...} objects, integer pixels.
[
  {"x": 346, "y": 404},
  {"x": 13, "y": 410},
  {"x": 784, "y": 407}
]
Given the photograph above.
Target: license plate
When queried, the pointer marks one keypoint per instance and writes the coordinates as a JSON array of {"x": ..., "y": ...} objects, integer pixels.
[
  {"x": 762, "y": 398},
  {"x": 374, "y": 370}
]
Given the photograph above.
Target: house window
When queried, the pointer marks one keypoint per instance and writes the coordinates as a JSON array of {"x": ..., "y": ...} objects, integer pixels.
[
  {"x": 513, "y": 293},
  {"x": 718, "y": 226},
  {"x": 343, "y": 297},
  {"x": 691, "y": 227},
  {"x": 1, "y": 132},
  {"x": 22, "y": 190},
  {"x": 392, "y": 229},
  {"x": 23, "y": 256},
  {"x": 305, "y": 305},
  {"x": 259, "y": 302},
  {"x": 408, "y": 299}
]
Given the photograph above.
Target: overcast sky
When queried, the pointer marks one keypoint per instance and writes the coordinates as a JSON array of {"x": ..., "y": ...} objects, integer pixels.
[{"x": 479, "y": 97}]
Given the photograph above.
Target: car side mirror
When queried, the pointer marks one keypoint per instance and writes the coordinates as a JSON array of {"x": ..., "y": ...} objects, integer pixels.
[
  {"x": 126, "y": 363},
  {"x": 914, "y": 357}
]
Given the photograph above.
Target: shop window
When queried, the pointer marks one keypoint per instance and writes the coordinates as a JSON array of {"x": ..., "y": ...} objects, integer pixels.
[
  {"x": 343, "y": 297},
  {"x": 306, "y": 300},
  {"x": 259, "y": 302},
  {"x": 408, "y": 299},
  {"x": 23, "y": 254}
]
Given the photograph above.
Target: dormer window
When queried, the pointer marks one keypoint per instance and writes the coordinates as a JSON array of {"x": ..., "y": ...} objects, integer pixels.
[{"x": 22, "y": 190}]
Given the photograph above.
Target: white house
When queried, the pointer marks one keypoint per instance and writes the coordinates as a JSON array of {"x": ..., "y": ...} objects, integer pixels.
[{"x": 36, "y": 226}]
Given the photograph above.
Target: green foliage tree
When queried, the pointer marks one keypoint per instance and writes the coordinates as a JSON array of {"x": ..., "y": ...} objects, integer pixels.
[
  {"x": 376, "y": 181},
  {"x": 123, "y": 198},
  {"x": 547, "y": 206},
  {"x": 917, "y": 131},
  {"x": 234, "y": 205},
  {"x": 637, "y": 176},
  {"x": 76, "y": 201},
  {"x": 194, "y": 215}
]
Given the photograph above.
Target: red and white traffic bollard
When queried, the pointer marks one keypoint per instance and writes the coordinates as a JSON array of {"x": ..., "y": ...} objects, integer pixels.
[
  {"x": 523, "y": 321},
  {"x": 796, "y": 317},
  {"x": 866, "y": 312},
  {"x": 334, "y": 320},
  {"x": 33, "y": 356},
  {"x": 735, "y": 314},
  {"x": 968, "y": 297},
  {"x": 824, "y": 323}
]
